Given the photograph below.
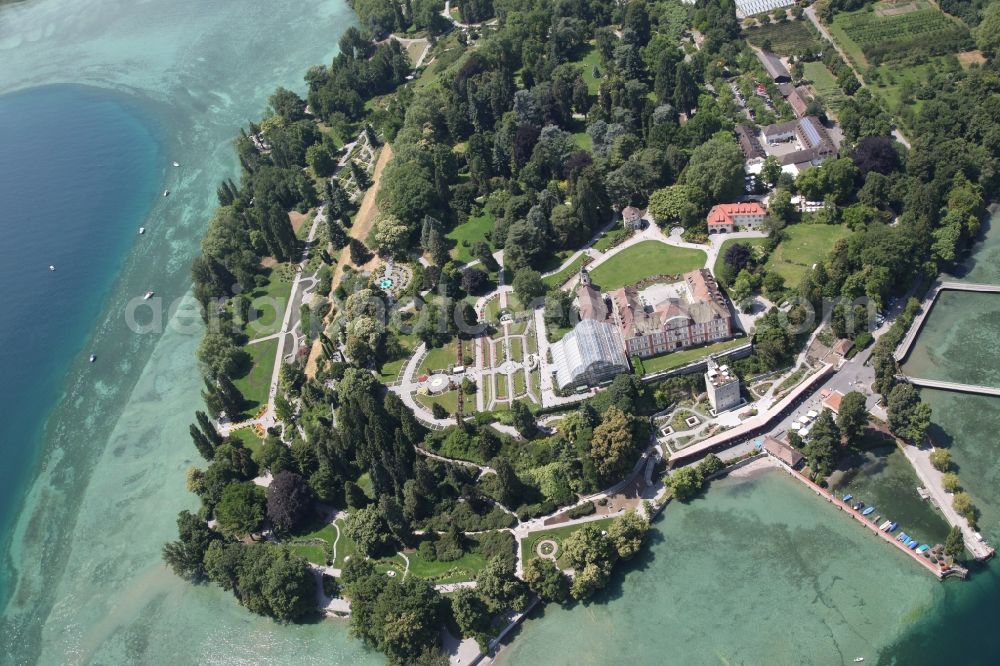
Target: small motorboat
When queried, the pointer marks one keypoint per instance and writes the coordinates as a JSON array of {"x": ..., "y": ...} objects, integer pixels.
[
  {"x": 892, "y": 527},
  {"x": 902, "y": 536},
  {"x": 847, "y": 498},
  {"x": 913, "y": 545},
  {"x": 859, "y": 506},
  {"x": 867, "y": 512},
  {"x": 858, "y": 660},
  {"x": 142, "y": 230},
  {"x": 923, "y": 548},
  {"x": 176, "y": 164},
  {"x": 149, "y": 295},
  {"x": 93, "y": 357},
  {"x": 51, "y": 267},
  {"x": 166, "y": 193}
]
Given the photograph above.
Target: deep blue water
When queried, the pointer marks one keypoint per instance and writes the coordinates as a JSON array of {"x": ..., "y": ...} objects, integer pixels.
[{"x": 78, "y": 173}]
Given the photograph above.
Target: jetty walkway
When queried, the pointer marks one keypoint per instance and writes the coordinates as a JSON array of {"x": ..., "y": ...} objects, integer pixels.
[
  {"x": 940, "y": 570},
  {"x": 950, "y": 386},
  {"x": 927, "y": 304}
]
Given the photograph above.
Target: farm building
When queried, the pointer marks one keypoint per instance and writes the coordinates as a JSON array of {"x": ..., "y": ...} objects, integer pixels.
[{"x": 774, "y": 67}]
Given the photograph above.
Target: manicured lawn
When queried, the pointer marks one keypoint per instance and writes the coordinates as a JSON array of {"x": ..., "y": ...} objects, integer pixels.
[
  {"x": 448, "y": 400},
  {"x": 680, "y": 358},
  {"x": 255, "y": 384},
  {"x": 311, "y": 551},
  {"x": 515, "y": 350},
  {"x": 607, "y": 241},
  {"x": 519, "y": 384},
  {"x": 462, "y": 569},
  {"x": 805, "y": 245},
  {"x": 583, "y": 140},
  {"x": 557, "y": 534},
  {"x": 248, "y": 438},
  {"x": 345, "y": 547},
  {"x": 752, "y": 242},
  {"x": 501, "y": 384},
  {"x": 439, "y": 358},
  {"x": 390, "y": 370},
  {"x": 557, "y": 279},
  {"x": 314, "y": 542},
  {"x": 590, "y": 58},
  {"x": 268, "y": 304},
  {"x": 644, "y": 259},
  {"x": 465, "y": 235}
]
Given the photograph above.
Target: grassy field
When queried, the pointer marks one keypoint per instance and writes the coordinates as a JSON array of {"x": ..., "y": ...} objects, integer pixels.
[
  {"x": 556, "y": 279},
  {"x": 255, "y": 384},
  {"x": 267, "y": 305},
  {"x": 681, "y": 358},
  {"x": 823, "y": 83},
  {"x": 644, "y": 259},
  {"x": 448, "y": 400},
  {"x": 788, "y": 38},
  {"x": 752, "y": 242},
  {"x": 805, "y": 245},
  {"x": 439, "y": 358},
  {"x": 558, "y": 534},
  {"x": 345, "y": 547},
  {"x": 462, "y": 569},
  {"x": 590, "y": 58},
  {"x": 248, "y": 438},
  {"x": 315, "y": 542},
  {"x": 465, "y": 235}
]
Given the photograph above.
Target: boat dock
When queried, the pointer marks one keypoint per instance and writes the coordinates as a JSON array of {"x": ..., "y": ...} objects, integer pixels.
[{"x": 939, "y": 570}]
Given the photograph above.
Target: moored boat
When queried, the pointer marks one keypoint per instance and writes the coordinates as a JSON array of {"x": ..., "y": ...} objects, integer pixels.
[
  {"x": 848, "y": 498},
  {"x": 913, "y": 545},
  {"x": 859, "y": 506},
  {"x": 149, "y": 295},
  {"x": 93, "y": 357},
  {"x": 884, "y": 526},
  {"x": 142, "y": 230},
  {"x": 892, "y": 527},
  {"x": 869, "y": 511},
  {"x": 166, "y": 193},
  {"x": 902, "y": 536},
  {"x": 923, "y": 548}
]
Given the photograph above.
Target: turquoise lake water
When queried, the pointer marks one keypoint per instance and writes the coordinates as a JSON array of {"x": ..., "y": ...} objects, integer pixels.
[{"x": 756, "y": 572}]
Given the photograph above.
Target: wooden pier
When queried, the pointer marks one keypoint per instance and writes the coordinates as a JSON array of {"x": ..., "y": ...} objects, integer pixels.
[{"x": 940, "y": 570}]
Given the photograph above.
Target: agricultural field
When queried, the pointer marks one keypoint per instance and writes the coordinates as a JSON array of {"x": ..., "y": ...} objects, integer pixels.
[
  {"x": 888, "y": 33},
  {"x": 643, "y": 260},
  {"x": 804, "y": 245},
  {"x": 823, "y": 84},
  {"x": 788, "y": 38}
]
